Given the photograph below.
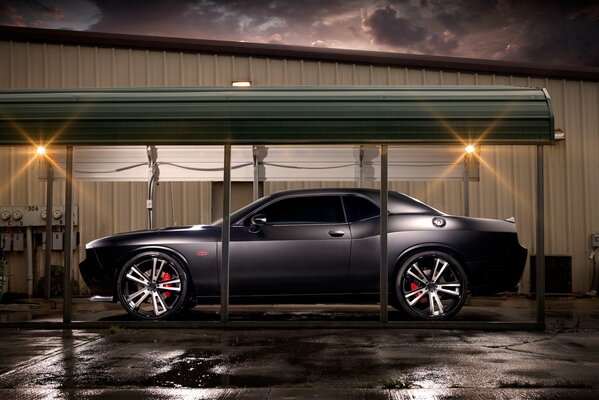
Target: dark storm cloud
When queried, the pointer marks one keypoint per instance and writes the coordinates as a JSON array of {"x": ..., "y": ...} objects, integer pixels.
[
  {"x": 563, "y": 32},
  {"x": 543, "y": 31},
  {"x": 27, "y": 13},
  {"x": 388, "y": 27},
  {"x": 308, "y": 22}
]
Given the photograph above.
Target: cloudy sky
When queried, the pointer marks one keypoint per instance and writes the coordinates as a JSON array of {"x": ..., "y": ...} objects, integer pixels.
[{"x": 535, "y": 31}]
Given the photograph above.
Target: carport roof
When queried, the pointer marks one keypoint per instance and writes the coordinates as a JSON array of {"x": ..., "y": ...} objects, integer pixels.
[{"x": 277, "y": 115}]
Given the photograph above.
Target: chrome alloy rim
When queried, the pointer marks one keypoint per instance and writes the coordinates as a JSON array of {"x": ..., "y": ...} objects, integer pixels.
[
  {"x": 432, "y": 287},
  {"x": 151, "y": 287}
]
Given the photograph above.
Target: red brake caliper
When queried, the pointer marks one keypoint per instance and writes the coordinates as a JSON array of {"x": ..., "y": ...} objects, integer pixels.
[
  {"x": 166, "y": 277},
  {"x": 414, "y": 286}
]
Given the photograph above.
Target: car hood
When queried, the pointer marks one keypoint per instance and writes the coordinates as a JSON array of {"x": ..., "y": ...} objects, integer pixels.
[{"x": 198, "y": 231}]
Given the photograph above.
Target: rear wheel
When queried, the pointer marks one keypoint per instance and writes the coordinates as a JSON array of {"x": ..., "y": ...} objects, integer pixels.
[
  {"x": 152, "y": 285},
  {"x": 431, "y": 285}
]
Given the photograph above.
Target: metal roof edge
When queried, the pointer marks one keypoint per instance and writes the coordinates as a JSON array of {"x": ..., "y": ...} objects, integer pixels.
[{"x": 99, "y": 39}]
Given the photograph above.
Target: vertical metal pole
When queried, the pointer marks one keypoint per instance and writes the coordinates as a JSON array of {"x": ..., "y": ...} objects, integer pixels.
[
  {"x": 226, "y": 237},
  {"x": 466, "y": 186},
  {"x": 68, "y": 238},
  {"x": 49, "y": 236},
  {"x": 540, "y": 264},
  {"x": 384, "y": 267},
  {"x": 361, "y": 177},
  {"x": 256, "y": 185},
  {"x": 29, "y": 242}
]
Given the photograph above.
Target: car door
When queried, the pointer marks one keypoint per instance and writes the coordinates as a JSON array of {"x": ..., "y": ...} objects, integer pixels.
[
  {"x": 363, "y": 216},
  {"x": 302, "y": 246}
]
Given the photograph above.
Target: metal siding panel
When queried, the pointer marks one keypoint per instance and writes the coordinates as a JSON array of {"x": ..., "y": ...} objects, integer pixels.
[
  {"x": 310, "y": 73},
  {"x": 259, "y": 71},
  {"x": 362, "y": 75},
  {"x": 37, "y": 65},
  {"x": 189, "y": 70},
  {"x": 122, "y": 68},
  {"x": 19, "y": 65},
  {"x": 138, "y": 67},
  {"x": 70, "y": 62},
  {"x": 6, "y": 65},
  {"x": 173, "y": 76},
  {"x": 345, "y": 74},
  {"x": 414, "y": 77},
  {"x": 434, "y": 78},
  {"x": 467, "y": 78},
  {"x": 450, "y": 78},
  {"x": 105, "y": 65},
  {"x": 328, "y": 74},
  {"x": 207, "y": 67},
  {"x": 293, "y": 73},
  {"x": 224, "y": 70},
  {"x": 155, "y": 62},
  {"x": 576, "y": 179},
  {"x": 485, "y": 79},
  {"x": 7, "y": 180},
  {"x": 380, "y": 76},
  {"x": 88, "y": 67},
  {"x": 241, "y": 70},
  {"x": 398, "y": 76},
  {"x": 277, "y": 72}
]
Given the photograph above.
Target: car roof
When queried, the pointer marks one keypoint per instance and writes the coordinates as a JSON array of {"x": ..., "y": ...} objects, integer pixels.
[{"x": 398, "y": 203}]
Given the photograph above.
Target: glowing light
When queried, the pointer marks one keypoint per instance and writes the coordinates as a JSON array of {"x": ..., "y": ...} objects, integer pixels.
[
  {"x": 241, "y": 83},
  {"x": 41, "y": 150},
  {"x": 470, "y": 149}
]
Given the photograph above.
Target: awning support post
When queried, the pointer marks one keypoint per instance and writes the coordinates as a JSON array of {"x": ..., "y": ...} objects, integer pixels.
[
  {"x": 68, "y": 238},
  {"x": 226, "y": 237},
  {"x": 540, "y": 260},
  {"x": 259, "y": 153},
  {"x": 361, "y": 166},
  {"x": 467, "y": 160},
  {"x": 49, "y": 236},
  {"x": 384, "y": 267}
]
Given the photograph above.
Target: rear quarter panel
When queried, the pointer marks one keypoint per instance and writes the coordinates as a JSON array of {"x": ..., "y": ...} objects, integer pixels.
[{"x": 484, "y": 247}]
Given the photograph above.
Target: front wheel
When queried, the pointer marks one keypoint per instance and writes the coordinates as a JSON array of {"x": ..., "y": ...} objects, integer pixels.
[
  {"x": 152, "y": 285},
  {"x": 431, "y": 285}
]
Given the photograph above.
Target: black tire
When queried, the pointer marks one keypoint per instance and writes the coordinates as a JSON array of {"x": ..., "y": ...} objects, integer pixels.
[
  {"x": 431, "y": 286},
  {"x": 152, "y": 286}
]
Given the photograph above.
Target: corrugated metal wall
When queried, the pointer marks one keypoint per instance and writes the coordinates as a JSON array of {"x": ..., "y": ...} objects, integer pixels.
[{"x": 507, "y": 182}]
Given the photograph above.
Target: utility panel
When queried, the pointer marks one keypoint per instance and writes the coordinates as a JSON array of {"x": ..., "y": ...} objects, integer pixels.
[
  {"x": 5, "y": 242},
  {"x": 17, "y": 216},
  {"x": 18, "y": 241}
]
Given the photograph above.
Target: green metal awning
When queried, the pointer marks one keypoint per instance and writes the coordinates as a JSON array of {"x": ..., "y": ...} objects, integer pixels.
[{"x": 277, "y": 115}]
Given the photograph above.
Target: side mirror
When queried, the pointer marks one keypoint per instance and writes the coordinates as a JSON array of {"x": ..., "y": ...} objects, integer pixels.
[{"x": 257, "y": 221}]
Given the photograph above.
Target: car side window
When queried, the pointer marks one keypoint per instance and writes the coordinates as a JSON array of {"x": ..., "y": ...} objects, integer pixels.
[
  {"x": 358, "y": 208},
  {"x": 305, "y": 210}
]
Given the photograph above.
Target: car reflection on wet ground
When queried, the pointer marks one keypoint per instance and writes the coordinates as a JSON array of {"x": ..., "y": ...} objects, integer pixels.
[{"x": 561, "y": 362}]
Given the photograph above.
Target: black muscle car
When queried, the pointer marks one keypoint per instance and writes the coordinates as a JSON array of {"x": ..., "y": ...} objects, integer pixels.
[{"x": 317, "y": 245}]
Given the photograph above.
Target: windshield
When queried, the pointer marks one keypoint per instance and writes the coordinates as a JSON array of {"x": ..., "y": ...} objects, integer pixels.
[{"x": 243, "y": 211}]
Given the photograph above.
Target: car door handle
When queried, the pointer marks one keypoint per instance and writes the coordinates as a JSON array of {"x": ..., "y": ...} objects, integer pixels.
[{"x": 336, "y": 233}]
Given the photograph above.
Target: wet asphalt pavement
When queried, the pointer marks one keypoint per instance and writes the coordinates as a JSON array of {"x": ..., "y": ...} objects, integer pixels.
[{"x": 117, "y": 363}]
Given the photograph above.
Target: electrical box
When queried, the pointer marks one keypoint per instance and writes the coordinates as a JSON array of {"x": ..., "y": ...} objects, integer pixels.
[
  {"x": 5, "y": 242},
  {"x": 18, "y": 241},
  {"x": 57, "y": 240},
  {"x": 595, "y": 240}
]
